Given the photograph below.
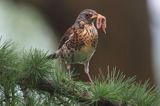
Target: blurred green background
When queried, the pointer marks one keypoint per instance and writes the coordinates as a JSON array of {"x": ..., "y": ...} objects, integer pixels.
[{"x": 128, "y": 44}]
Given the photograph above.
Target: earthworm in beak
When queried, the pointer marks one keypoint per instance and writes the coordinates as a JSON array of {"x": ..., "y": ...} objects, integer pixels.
[{"x": 101, "y": 23}]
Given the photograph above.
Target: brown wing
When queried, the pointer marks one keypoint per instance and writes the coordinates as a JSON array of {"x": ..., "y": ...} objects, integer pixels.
[
  {"x": 71, "y": 31},
  {"x": 66, "y": 36}
]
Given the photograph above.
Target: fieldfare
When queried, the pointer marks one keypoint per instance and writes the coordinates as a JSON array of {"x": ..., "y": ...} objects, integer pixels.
[{"x": 79, "y": 42}]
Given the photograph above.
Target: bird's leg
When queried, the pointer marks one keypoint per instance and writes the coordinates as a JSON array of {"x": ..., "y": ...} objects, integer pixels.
[
  {"x": 86, "y": 68},
  {"x": 69, "y": 70}
]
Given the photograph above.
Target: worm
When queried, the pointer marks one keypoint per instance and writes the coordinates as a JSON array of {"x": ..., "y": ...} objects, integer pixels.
[{"x": 101, "y": 23}]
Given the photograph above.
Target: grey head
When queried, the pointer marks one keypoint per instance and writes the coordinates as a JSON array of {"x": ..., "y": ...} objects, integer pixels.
[{"x": 87, "y": 16}]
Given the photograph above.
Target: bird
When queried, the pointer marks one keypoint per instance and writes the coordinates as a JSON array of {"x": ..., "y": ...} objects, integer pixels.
[{"x": 79, "y": 42}]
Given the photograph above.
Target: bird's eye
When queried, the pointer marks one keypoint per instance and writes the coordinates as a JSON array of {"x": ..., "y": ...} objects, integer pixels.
[{"x": 88, "y": 15}]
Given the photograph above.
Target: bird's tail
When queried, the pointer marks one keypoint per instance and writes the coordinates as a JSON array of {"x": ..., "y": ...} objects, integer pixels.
[{"x": 53, "y": 56}]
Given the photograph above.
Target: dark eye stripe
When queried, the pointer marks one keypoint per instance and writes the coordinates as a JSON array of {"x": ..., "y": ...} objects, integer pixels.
[{"x": 88, "y": 15}]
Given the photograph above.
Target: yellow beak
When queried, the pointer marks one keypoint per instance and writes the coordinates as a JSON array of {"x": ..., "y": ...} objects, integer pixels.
[{"x": 94, "y": 16}]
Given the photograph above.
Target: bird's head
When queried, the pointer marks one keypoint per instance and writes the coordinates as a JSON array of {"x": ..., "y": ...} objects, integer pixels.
[{"x": 89, "y": 16}]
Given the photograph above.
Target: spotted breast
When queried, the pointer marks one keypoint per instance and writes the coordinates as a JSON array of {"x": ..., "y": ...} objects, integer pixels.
[{"x": 81, "y": 45}]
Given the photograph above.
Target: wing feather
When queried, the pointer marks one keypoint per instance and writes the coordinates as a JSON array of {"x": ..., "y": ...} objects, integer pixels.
[{"x": 72, "y": 32}]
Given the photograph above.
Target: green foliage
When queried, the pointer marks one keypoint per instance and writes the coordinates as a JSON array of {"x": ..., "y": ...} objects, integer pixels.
[
  {"x": 33, "y": 71},
  {"x": 8, "y": 71},
  {"x": 115, "y": 87},
  {"x": 8, "y": 62},
  {"x": 35, "y": 65}
]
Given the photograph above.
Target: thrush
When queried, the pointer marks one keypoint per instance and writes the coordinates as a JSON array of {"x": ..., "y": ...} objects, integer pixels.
[{"x": 79, "y": 42}]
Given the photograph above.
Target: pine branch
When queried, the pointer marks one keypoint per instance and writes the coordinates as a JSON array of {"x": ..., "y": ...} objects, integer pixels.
[{"x": 43, "y": 82}]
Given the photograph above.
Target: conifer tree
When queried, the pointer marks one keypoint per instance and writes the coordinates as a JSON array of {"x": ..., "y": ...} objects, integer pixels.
[{"x": 30, "y": 79}]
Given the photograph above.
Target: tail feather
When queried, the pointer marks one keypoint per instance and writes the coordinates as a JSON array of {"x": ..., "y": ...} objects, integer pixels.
[{"x": 52, "y": 56}]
